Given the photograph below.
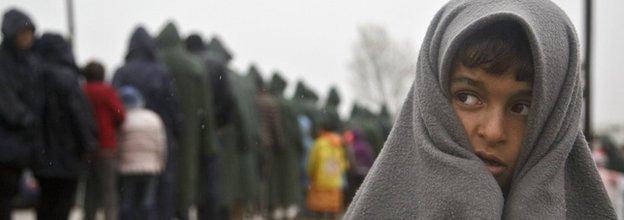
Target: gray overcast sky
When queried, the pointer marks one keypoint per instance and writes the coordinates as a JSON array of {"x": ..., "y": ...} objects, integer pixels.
[{"x": 309, "y": 40}]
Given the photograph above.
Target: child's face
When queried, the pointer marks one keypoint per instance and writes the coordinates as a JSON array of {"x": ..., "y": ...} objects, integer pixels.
[{"x": 493, "y": 110}]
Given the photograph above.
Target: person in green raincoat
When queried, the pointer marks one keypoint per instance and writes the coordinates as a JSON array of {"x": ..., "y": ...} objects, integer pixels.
[
  {"x": 305, "y": 102},
  {"x": 286, "y": 186},
  {"x": 330, "y": 111},
  {"x": 197, "y": 134},
  {"x": 238, "y": 134},
  {"x": 216, "y": 66},
  {"x": 239, "y": 179}
]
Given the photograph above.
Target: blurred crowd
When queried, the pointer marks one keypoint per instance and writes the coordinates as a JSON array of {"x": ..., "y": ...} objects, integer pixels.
[
  {"x": 176, "y": 129},
  {"x": 609, "y": 158}
]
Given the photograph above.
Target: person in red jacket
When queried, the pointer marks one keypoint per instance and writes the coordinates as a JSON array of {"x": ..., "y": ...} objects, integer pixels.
[{"x": 109, "y": 114}]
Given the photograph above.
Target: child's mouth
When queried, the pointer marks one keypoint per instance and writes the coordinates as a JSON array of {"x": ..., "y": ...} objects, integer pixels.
[{"x": 494, "y": 164}]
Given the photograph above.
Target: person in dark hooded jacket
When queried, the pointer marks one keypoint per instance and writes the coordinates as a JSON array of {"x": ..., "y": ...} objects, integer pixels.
[
  {"x": 145, "y": 71},
  {"x": 197, "y": 129},
  {"x": 20, "y": 105},
  {"x": 69, "y": 129}
]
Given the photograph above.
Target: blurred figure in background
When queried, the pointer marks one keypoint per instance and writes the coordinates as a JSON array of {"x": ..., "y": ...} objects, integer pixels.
[
  {"x": 271, "y": 139},
  {"x": 147, "y": 72},
  {"x": 286, "y": 184},
  {"x": 21, "y": 104},
  {"x": 209, "y": 175},
  {"x": 605, "y": 155},
  {"x": 101, "y": 189},
  {"x": 197, "y": 133},
  {"x": 369, "y": 124},
  {"x": 240, "y": 179},
  {"x": 330, "y": 110},
  {"x": 361, "y": 159},
  {"x": 142, "y": 156},
  {"x": 308, "y": 118},
  {"x": 326, "y": 169},
  {"x": 69, "y": 130}
]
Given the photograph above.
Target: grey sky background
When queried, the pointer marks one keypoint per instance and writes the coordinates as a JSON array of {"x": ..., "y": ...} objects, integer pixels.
[{"x": 310, "y": 40}]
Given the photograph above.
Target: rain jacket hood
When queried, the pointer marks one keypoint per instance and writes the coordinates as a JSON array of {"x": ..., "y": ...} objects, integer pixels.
[
  {"x": 302, "y": 92},
  {"x": 142, "y": 46},
  {"x": 333, "y": 99},
  {"x": 218, "y": 51},
  {"x": 13, "y": 21},
  {"x": 53, "y": 47},
  {"x": 278, "y": 84},
  {"x": 169, "y": 37}
]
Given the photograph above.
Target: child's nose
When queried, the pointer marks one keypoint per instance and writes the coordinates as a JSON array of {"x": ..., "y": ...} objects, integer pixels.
[{"x": 492, "y": 128}]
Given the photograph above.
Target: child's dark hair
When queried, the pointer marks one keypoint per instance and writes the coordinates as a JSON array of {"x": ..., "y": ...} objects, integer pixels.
[
  {"x": 93, "y": 72},
  {"x": 497, "y": 47}
]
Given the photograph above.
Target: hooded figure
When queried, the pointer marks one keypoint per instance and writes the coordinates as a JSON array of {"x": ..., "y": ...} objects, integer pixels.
[
  {"x": 208, "y": 198},
  {"x": 145, "y": 71},
  {"x": 21, "y": 105},
  {"x": 271, "y": 139},
  {"x": 308, "y": 115},
  {"x": 427, "y": 168},
  {"x": 69, "y": 129},
  {"x": 286, "y": 184},
  {"x": 330, "y": 115},
  {"x": 240, "y": 138},
  {"x": 197, "y": 133},
  {"x": 306, "y": 105},
  {"x": 216, "y": 59}
]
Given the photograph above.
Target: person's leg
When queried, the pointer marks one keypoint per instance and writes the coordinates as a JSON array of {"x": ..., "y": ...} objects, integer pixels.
[
  {"x": 90, "y": 196},
  {"x": 208, "y": 205},
  {"x": 108, "y": 183},
  {"x": 9, "y": 185},
  {"x": 147, "y": 197},
  {"x": 127, "y": 189},
  {"x": 166, "y": 184},
  {"x": 57, "y": 197},
  {"x": 93, "y": 189}
]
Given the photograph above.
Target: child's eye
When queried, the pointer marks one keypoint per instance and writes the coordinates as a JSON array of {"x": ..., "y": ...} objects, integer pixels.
[
  {"x": 468, "y": 99},
  {"x": 521, "y": 108}
]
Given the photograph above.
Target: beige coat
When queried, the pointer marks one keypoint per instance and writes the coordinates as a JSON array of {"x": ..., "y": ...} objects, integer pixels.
[{"x": 142, "y": 143}]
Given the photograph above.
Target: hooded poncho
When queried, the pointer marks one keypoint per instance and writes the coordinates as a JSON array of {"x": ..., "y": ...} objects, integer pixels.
[{"x": 427, "y": 169}]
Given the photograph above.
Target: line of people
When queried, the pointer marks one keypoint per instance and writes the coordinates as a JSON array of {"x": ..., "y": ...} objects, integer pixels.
[{"x": 176, "y": 128}]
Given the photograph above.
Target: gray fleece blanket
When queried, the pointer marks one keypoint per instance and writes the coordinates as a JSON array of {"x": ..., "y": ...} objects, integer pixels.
[{"x": 427, "y": 169}]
